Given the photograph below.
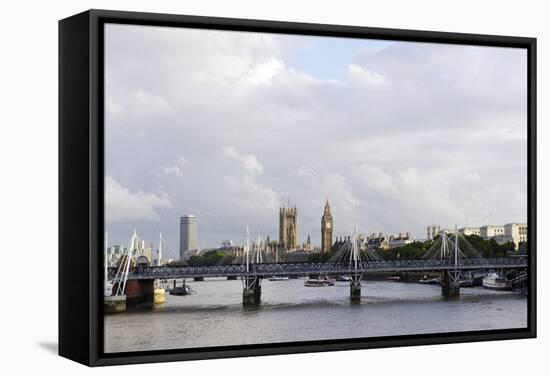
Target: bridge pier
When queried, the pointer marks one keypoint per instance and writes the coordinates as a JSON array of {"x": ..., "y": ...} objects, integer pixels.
[
  {"x": 140, "y": 293},
  {"x": 355, "y": 288},
  {"x": 450, "y": 284},
  {"x": 114, "y": 303},
  {"x": 252, "y": 290}
]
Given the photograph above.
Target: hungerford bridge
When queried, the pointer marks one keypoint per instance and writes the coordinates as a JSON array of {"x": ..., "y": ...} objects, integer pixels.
[{"x": 449, "y": 255}]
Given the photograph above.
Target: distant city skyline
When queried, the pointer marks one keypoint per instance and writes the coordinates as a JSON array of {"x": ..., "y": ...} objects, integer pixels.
[{"x": 229, "y": 126}]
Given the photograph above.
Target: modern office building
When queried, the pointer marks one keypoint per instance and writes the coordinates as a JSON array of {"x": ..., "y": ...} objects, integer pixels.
[
  {"x": 514, "y": 232},
  {"x": 400, "y": 240},
  {"x": 188, "y": 234},
  {"x": 113, "y": 255},
  {"x": 148, "y": 252},
  {"x": 378, "y": 242},
  {"x": 490, "y": 231},
  {"x": 432, "y": 231},
  {"x": 383, "y": 242},
  {"x": 469, "y": 231}
]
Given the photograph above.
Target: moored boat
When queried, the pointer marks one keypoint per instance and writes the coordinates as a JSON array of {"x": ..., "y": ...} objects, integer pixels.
[
  {"x": 466, "y": 280},
  {"x": 318, "y": 283},
  {"x": 278, "y": 278},
  {"x": 181, "y": 290},
  {"x": 343, "y": 278},
  {"x": 429, "y": 281},
  {"x": 477, "y": 276},
  {"x": 495, "y": 282}
]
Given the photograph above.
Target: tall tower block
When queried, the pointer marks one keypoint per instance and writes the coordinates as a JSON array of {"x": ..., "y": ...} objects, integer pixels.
[
  {"x": 188, "y": 233},
  {"x": 326, "y": 229},
  {"x": 288, "y": 228}
]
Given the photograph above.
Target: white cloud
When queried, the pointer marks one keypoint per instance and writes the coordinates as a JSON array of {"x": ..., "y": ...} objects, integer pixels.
[
  {"x": 472, "y": 176},
  {"x": 263, "y": 73},
  {"x": 306, "y": 171},
  {"x": 409, "y": 177},
  {"x": 177, "y": 168},
  {"x": 400, "y": 141},
  {"x": 247, "y": 161},
  {"x": 365, "y": 77},
  {"x": 123, "y": 205},
  {"x": 375, "y": 178},
  {"x": 247, "y": 192},
  {"x": 135, "y": 103}
]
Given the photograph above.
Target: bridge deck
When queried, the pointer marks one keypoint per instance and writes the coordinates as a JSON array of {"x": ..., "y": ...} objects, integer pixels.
[{"x": 304, "y": 268}]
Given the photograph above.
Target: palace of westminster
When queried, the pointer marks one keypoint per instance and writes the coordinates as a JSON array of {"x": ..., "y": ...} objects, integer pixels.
[
  {"x": 288, "y": 246},
  {"x": 288, "y": 235},
  {"x": 288, "y": 231}
]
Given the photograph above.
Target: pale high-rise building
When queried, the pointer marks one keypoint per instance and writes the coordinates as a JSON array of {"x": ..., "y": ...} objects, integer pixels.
[
  {"x": 188, "y": 233},
  {"x": 516, "y": 232},
  {"x": 432, "y": 231},
  {"x": 490, "y": 231},
  {"x": 470, "y": 231}
]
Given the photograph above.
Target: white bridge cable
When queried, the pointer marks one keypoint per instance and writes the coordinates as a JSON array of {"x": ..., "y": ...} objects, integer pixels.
[
  {"x": 121, "y": 264},
  {"x": 445, "y": 247},
  {"x": 469, "y": 249},
  {"x": 124, "y": 267},
  {"x": 435, "y": 251},
  {"x": 253, "y": 252},
  {"x": 350, "y": 254},
  {"x": 171, "y": 253}
]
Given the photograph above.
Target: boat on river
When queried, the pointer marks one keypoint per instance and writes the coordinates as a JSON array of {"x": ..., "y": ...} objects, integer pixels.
[
  {"x": 343, "y": 278},
  {"x": 495, "y": 282},
  {"x": 278, "y": 278},
  {"x": 181, "y": 290},
  {"x": 466, "y": 280},
  {"x": 318, "y": 282},
  {"x": 429, "y": 281}
]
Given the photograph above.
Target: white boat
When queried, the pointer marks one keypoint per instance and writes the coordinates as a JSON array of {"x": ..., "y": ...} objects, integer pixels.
[
  {"x": 429, "y": 281},
  {"x": 274, "y": 278},
  {"x": 495, "y": 282},
  {"x": 318, "y": 282},
  {"x": 343, "y": 278}
]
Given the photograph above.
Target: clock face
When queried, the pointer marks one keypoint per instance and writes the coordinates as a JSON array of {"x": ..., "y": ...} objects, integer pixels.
[{"x": 328, "y": 225}]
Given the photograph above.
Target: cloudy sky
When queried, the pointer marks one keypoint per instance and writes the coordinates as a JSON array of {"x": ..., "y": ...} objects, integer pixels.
[{"x": 229, "y": 126}]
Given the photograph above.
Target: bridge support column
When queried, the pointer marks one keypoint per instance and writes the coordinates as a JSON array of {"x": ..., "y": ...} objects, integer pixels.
[
  {"x": 355, "y": 288},
  {"x": 252, "y": 290},
  {"x": 114, "y": 304},
  {"x": 450, "y": 284},
  {"x": 140, "y": 293}
]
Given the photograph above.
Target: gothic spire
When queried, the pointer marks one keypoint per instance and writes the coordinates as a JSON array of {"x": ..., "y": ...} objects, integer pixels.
[{"x": 327, "y": 207}]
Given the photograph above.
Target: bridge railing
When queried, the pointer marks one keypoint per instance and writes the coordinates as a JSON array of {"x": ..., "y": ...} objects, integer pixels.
[{"x": 319, "y": 268}]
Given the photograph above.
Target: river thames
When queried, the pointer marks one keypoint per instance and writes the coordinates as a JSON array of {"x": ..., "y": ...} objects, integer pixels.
[{"x": 215, "y": 316}]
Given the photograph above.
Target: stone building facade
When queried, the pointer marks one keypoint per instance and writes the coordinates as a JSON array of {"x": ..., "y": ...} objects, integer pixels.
[
  {"x": 327, "y": 227},
  {"x": 288, "y": 228}
]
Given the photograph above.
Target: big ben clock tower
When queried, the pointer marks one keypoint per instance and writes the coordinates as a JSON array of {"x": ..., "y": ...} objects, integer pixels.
[{"x": 326, "y": 229}]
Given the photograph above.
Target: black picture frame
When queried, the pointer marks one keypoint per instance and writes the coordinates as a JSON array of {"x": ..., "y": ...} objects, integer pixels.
[{"x": 81, "y": 185}]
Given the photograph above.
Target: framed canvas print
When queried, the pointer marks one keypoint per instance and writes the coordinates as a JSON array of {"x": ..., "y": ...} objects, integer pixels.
[{"x": 234, "y": 187}]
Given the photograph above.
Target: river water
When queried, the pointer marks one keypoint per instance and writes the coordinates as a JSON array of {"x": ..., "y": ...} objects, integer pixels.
[{"x": 289, "y": 311}]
